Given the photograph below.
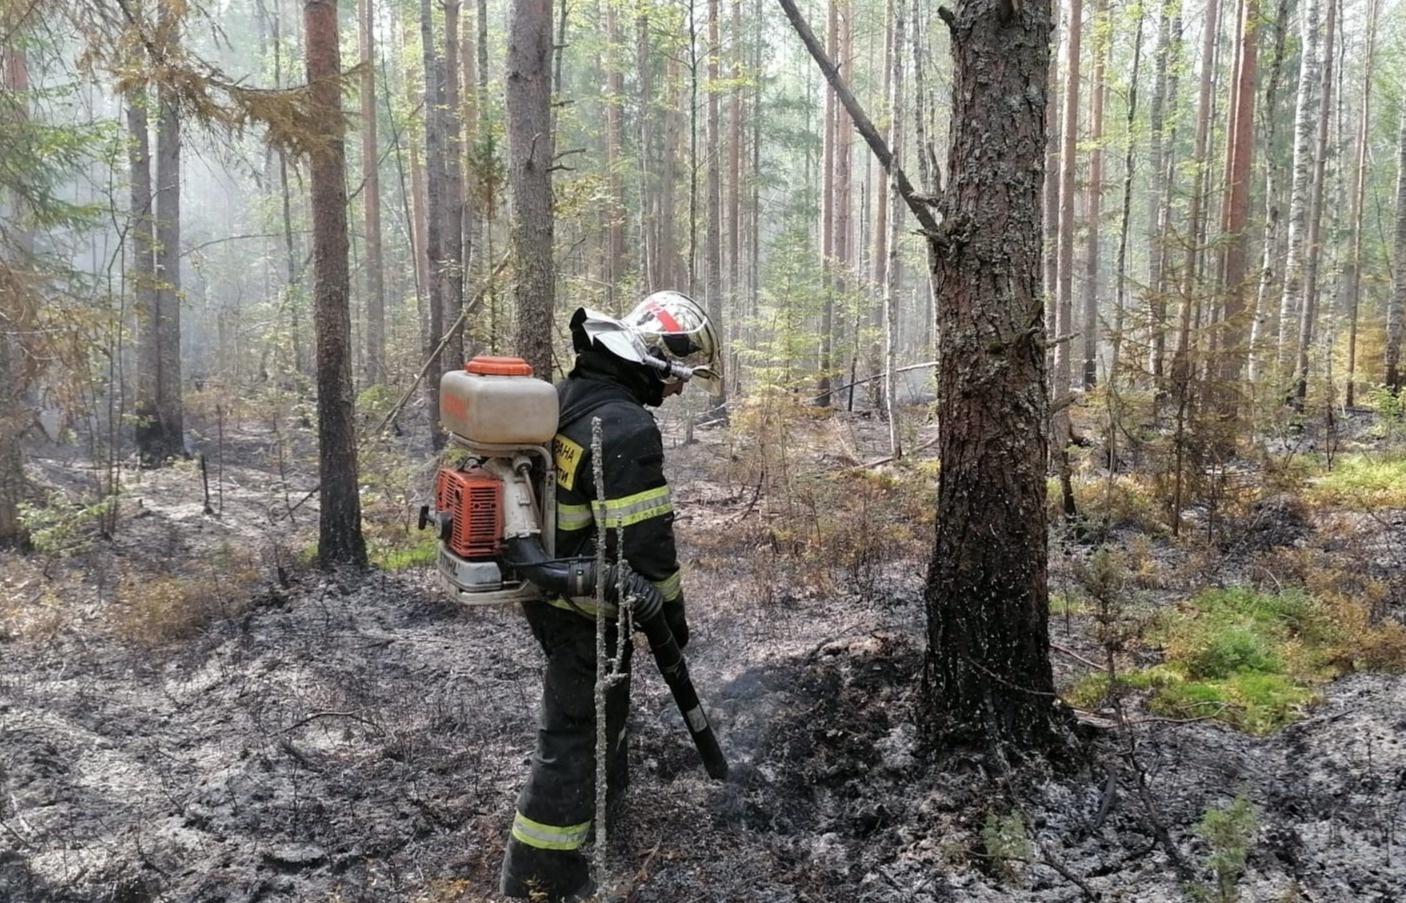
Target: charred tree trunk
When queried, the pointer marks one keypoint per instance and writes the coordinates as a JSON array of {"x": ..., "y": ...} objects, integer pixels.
[
  {"x": 987, "y": 676},
  {"x": 339, "y": 525},
  {"x": 987, "y": 673},
  {"x": 531, "y": 149}
]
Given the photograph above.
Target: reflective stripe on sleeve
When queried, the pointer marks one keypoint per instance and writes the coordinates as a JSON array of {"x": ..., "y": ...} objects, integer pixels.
[
  {"x": 637, "y": 508},
  {"x": 671, "y": 587},
  {"x": 549, "y": 837},
  {"x": 574, "y": 517}
]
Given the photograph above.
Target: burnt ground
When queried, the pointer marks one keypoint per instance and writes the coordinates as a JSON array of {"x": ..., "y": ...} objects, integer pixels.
[{"x": 354, "y": 737}]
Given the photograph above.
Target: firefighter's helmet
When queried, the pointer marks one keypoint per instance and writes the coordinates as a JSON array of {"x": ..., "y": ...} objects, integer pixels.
[
  {"x": 668, "y": 332},
  {"x": 675, "y": 328}
]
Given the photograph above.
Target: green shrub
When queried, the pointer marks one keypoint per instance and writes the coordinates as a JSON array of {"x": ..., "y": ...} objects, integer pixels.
[{"x": 1230, "y": 833}]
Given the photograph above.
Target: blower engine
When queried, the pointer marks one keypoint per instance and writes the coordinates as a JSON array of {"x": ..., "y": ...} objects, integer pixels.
[
  {"x": 489, "y": 507},
  {"x": 500, "y": 423}
]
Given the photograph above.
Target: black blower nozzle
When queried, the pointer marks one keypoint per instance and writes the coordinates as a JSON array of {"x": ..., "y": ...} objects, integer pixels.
[{"x": 578, "y": 578}]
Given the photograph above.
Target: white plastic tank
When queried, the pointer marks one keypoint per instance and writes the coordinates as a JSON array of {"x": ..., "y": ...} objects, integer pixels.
[{"x": 497, "y": 401}]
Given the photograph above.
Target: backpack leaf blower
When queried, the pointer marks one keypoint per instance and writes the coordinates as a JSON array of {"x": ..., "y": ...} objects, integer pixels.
[{"x": 497, "y": 483}]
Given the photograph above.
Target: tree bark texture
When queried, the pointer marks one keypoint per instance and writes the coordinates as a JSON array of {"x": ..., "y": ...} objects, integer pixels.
[
  {"x": 1089, "y": 328},
  {"x": 894, "y": 224},
  {"x": 1266, "y": 314},
  {"x": 370, "y": 158},
  {"x": 615, "y": 207},
  {"x": 1396, "y": 308},
  {"x": 1237, "y": 206},
  {"x": 1205, "y": 100},
  {"x": 712, "y": 250},
  {"x": 987, "y": 673},
  {"x": 1156, "y": 142},
  {"x": 827, "y": 210},
  {"x": 1353, "y": 276},
  {"x": 531, "y": 151},
  {"x": 1314, "y": 251},
  {"x": 1064, "y": 257},
  {"x": 451, "y": 123},
  {"x": 17, "y": 304},
  {"x": 160, "y": 433},
  {"x": 435, "y": 196},
  {"x": 1305, "y": 109},
  {"x": 339, "y": 524}
]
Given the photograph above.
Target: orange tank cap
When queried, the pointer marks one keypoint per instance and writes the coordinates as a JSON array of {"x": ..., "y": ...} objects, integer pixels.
[{"x": 488, "y": 365}]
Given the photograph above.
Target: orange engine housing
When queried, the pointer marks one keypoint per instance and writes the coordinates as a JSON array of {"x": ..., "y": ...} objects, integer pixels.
[{"x": 475, "y": 501}]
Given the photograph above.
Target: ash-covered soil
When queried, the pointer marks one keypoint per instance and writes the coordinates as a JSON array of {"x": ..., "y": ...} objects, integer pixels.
[{"x": 354, "y": 737}]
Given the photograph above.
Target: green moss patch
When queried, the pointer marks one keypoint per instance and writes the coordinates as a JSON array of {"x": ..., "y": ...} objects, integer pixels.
[
  {"x": 1247, "y": 658},
  {"x": 402, "y": 552}
]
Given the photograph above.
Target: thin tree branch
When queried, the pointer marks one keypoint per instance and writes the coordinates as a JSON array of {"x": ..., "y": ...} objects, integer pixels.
[{"x": 919, "y": 204}]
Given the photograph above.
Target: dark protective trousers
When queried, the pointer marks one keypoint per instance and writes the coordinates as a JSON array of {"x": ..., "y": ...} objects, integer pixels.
[{"x": 555, "y": 808}]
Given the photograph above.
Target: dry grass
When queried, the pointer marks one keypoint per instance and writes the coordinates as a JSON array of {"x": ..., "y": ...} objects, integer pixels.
[{"x": 153, "y": 610}]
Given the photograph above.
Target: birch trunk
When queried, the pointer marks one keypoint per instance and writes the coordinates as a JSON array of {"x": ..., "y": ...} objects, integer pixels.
[
  {"x": 1314, "y": 250},
  {"x": 1305, "y": 107}
]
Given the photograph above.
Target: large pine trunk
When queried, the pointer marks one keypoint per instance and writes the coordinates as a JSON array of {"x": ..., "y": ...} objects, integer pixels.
[
  {"x": 531, "y": 149},
  {"x": 987, "y": 674},
  {"x": 339, "y": 525},
  {"x": 160, "y": 431},
  {"x": 1237, "y": 213}
]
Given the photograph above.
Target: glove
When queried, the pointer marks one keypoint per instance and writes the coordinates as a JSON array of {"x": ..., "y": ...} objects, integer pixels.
[{"x": 678, "y": 623}]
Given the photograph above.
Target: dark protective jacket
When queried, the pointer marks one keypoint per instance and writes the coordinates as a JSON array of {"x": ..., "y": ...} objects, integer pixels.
[
  {"x": 637, "y": 501},
  {"x": 555, "y": 807}
]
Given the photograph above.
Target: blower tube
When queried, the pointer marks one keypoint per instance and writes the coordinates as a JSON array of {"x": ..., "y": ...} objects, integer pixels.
[{"x": 577, "y": 577}]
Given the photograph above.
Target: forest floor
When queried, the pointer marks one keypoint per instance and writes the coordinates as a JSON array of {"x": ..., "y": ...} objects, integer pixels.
[{"x": 189, "y": 712}]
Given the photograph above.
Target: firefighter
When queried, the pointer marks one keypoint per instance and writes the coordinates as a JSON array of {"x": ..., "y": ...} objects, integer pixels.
[{"x": 622, "y": 367}]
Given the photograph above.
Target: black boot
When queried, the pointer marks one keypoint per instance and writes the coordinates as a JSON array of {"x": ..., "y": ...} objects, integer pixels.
[{"x": 560, "y": 876}]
